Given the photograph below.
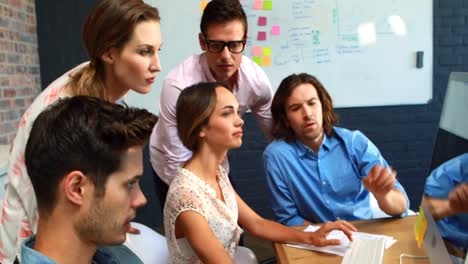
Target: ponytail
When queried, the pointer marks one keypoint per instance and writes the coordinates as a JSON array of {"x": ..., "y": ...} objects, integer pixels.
[{"x": 88, "y": 81}]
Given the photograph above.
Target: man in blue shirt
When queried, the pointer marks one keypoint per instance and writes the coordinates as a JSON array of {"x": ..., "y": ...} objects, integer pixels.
[
  {"x": 317, "y": 172},
  {"x": 84, "y": 158},
  {"x": 446, "y": 193}
]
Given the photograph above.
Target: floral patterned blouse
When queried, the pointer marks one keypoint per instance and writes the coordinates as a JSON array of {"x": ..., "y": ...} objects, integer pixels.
[
  {"x": 187, "y": 192},
  {"x": 19, "y": 216}
]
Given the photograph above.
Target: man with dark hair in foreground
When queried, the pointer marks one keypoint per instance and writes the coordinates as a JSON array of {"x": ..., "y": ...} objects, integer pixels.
[{"x": 84, "y": 158}]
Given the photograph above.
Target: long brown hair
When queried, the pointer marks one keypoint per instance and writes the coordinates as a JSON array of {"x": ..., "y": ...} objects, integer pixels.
[
  {"x": 109, "y": 25},
  {"x": 278, "y": 107}
]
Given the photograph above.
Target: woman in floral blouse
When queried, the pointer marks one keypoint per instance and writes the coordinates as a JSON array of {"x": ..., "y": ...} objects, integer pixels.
[{"x": 203, "y": 210}]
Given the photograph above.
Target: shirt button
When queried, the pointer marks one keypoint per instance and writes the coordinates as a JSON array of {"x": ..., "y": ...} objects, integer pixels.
[{"x": 324, "y": 183}]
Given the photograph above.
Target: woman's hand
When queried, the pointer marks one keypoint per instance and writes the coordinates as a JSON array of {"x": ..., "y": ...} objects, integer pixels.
[{"x": 319, "y": 237}]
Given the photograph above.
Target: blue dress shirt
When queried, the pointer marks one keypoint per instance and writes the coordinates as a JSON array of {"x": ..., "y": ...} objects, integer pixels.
[
  {"x": 323, "y": 187},
  {"x": 439, "y": 184}
]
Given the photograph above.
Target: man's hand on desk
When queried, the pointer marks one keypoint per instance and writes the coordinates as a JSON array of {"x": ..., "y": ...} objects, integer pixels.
[
  {"x": 458, "y": 199},
  {"x": 319, "y": 237}
]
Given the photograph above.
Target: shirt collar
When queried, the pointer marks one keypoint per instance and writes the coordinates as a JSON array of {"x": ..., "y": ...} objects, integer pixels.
[
  {"x": 209, "y": 76},
  {"x": 327, "y": 143},
  {"x": 302, "y": 149},
  {"x": 29, "y": 255},
  {"x": 206, "y": 69},
  {"x": 102, "y": 256}
]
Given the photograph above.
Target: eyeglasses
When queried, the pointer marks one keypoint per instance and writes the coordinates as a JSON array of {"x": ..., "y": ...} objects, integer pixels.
[{"x": 234, "y": 46}]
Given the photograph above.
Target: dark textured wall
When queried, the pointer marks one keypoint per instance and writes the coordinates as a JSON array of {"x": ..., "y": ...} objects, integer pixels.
[
  {"x": 404, "y": 134},
  {"x": 59, "y": 36}
]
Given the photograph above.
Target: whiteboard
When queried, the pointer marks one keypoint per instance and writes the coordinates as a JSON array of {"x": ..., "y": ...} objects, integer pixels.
[{"x": 363, "y": 51}]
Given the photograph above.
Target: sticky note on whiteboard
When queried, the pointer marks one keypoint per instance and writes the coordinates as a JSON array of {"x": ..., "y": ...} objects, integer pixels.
[
  {"x": 261, "y": 35},
  {"x": 268, "y": 5},
  {"x": 258, "y": 4},
  {"x": 266, "y": 61},
  {"x": 276, "y": 30},
  {"x": 266, "y": 51},
  {"x": 256, "y": 51},
  {"x": 262, "y": 21},
  {"x": 203, "y": 5},
  {"x": 257, "y": 60}
]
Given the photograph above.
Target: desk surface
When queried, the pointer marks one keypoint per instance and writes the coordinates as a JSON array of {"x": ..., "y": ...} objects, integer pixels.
[{"x": 400, "y": 228}]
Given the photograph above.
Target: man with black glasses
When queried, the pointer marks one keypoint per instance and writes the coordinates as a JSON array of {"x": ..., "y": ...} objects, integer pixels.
[{"x": 222, "y": 38}]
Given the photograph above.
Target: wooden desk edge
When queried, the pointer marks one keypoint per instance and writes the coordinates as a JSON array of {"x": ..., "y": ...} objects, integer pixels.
[
  {"x": 279, "y": 251},
  {"x": 279, "y": 247}
]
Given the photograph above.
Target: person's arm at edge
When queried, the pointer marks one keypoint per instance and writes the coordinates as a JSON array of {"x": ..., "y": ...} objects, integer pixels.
[
  {"x": 457, "y": 202},
  {"x": 444, "y": 189},
  {"x": 440, "y": 208}
]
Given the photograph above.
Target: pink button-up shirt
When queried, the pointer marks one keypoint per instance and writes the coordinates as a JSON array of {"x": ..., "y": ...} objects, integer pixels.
[{"x": 253, "y": 91}]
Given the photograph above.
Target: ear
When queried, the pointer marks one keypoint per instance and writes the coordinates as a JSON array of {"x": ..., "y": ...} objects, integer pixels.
[
  {"x": 77, "y": 186},
  {"x": 201, "y": 40},
  {"x": 109, "y": 56},
  {"x": 202, "y": 133}
]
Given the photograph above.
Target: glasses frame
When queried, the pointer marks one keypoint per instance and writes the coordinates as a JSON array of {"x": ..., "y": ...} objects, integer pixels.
[{"x": 225, "y": 43}]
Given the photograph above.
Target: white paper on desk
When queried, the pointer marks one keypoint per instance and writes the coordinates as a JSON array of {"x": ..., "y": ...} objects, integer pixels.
[
  {"x": 345, "y": 243},
  {"x": 389, "y": 241}
]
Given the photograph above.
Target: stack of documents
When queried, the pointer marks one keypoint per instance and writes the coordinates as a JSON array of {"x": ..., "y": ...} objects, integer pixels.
[{"x": 345, "y": 243}]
